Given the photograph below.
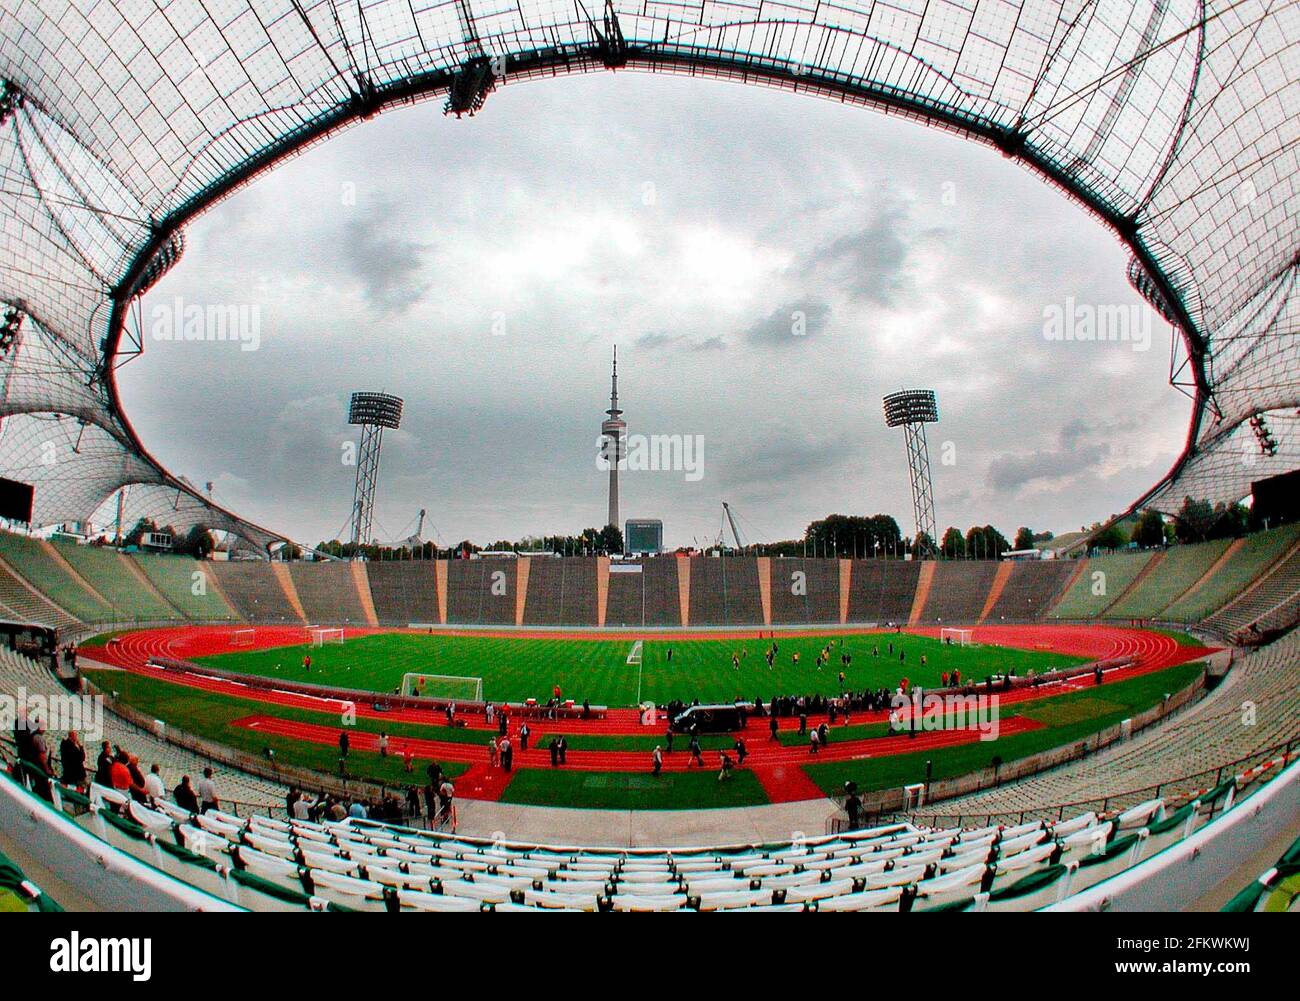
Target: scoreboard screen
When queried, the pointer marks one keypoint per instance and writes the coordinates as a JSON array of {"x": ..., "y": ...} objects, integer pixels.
[{"x": 644, "y": 536}]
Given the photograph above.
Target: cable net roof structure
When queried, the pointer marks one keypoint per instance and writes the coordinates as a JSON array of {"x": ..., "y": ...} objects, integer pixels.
[{"x": 1176, "y": 121}]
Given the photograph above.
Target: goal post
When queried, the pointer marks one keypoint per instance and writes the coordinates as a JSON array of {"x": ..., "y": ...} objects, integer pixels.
[
  {"x": 243, "y": 637},
  {"x": 319, "y": 637},
  {"x": 442, "y": 686},
  {"x": 958, "y": 637}
]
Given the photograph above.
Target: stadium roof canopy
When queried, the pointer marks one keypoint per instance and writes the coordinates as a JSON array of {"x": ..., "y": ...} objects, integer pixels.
[{"x": 1177, "y": 121}]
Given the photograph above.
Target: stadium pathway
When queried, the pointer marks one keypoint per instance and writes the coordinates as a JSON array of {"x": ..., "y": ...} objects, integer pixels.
[{"x": 646, "y": 828}]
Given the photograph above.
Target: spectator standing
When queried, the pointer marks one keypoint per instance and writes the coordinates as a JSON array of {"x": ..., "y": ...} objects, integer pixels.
[
  {"x": 153, "y": 784},
  {"x": 184, "y": 796},
  {"x": 72, "y": 756},
  {"x": 104, "y": 766},
  {"x": 208, "y": 798}
]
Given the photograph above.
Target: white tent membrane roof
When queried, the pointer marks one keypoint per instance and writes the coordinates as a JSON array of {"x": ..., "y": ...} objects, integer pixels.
[{"x": 1177, "y": 121}]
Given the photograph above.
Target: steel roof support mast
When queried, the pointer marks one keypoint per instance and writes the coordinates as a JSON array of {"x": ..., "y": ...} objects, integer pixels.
[
  {"x": 372, "y": 412},
  {"x": 913, "y": 409}
]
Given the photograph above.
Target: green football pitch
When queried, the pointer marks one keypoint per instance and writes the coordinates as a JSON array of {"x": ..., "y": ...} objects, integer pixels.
[{"x": 602, "y": 671}]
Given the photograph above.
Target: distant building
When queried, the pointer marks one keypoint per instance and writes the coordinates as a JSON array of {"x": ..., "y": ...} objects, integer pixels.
[{"x": 643, "y": 535}]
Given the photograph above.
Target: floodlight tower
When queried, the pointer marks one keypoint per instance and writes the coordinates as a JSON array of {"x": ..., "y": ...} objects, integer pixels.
[
  {"x": 914, "y": 409},
  {"x": 613, "y": 433},
  {"x": 372, "y": 412}
]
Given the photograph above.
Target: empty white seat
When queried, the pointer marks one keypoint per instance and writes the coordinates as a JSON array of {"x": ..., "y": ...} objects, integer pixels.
[
  {"x": 270, "y": 824},
  {"x": 963, "y": 882},
  {"x": 1028, "y": 859},
  {"x": 104, "y": 794},
  {"x": 660, "y": 876},
  {"x": 809, "y": 878},
  {"x": 872, "y": 900},
  {"x": 714, "y": 883},
  {"x": 201, "y": 842},
  {"x": 591, "y": 887},
  {"x": 920, "y": 858},
  {"x": 1040, "y": 896},
  {"x": 1074, "y": 825},
  {"x": 492, "y": 892},
  {"x": 734, "y": 899},
  {"x": 345, "y": 890},
  {"x": 215, "y": 826},
  {"x": 465, "y": 865},
  {"x": 272, "y": 846},
  {"x": 1009, "y": 846},
  {"x": 569, "y": 901},
  {"x": 172, "y": 810},
  {"x": 269, "y": 867},
  {"x": 699, "y": 865},
  {"x": 665, "y": 886},
  {"x": 397, "y": 878},
  {"x": 648, "y": 902},
  {"x": 332, "y": 863},
  {"x": 819, "y": 891},
  {"x": 150, "y": 820},
  {"x": 964, "y": 859},
  {"x": 895, "y": 877},
  {"x": 415, "y": 900},
  {"x": 1089, "y": 841},
  {"x": 524, "y": 872},
  {"x": 766, "y": 869},
  {"x": 581, "y": 875},
  {"x": 1141, "y": 815},
  {"x": 862, "y": 869}
]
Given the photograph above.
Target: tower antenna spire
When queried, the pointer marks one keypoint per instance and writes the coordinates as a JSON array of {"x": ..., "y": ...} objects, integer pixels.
[{"x": 613, "y": 432}]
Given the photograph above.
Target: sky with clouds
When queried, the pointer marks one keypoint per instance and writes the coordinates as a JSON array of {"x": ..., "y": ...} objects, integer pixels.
[{"x": 769, "y": 265}]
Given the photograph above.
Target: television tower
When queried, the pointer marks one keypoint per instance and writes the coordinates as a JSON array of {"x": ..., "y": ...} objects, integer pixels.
[
  {"x": 913, "y": 409},
  {"x": 372, "y": 412},
  {"x": 613, "y": 433}
]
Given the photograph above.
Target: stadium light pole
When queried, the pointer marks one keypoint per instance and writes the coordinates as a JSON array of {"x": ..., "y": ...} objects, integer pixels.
[
  {"x": 372, "y": 412},
  {"x": 913, "y": 409}
]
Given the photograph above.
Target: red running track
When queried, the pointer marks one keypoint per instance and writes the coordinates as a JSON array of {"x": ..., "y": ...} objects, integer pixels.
[
  {"x": 778, "y": 768},
  {"x": 1152, "y": 651}
]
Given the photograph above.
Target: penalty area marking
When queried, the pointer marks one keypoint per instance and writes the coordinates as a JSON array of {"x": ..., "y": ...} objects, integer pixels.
[{"x": 634, "y": 657}]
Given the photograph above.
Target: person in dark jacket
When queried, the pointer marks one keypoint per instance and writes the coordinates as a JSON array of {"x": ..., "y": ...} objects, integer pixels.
[
  {"x": 104, "y": 765},
  {"x": 73, "y": 757},
  {"x": 185, "y": 796}
]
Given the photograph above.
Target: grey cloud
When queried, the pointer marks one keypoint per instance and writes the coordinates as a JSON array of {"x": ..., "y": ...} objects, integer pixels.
[
  {"x": 778, "y": 328},
  {"x": 659, "y": 341},
  {"x": 868, "y": 263},
  {"x": 388, "y": 266}
]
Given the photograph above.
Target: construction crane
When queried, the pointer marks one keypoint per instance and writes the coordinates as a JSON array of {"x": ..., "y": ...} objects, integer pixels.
[{"x": 731, "y": 520}]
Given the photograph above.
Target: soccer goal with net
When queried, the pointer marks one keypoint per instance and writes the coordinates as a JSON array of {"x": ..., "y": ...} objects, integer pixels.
[
  {"x": 319, "y": 637},
  {"x": 957, "y": 637},
  {"x": 443, "y": 686},
  {"x": 243, "y": 637}
]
